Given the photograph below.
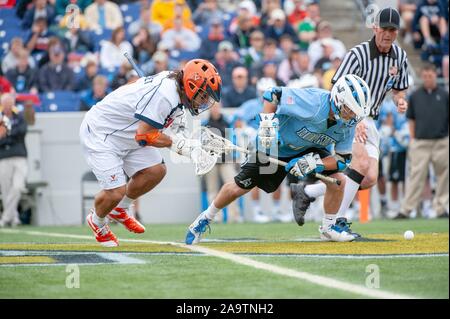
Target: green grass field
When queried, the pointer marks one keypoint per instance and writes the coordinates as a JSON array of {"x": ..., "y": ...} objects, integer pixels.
[{"x": 236, "y": 261}]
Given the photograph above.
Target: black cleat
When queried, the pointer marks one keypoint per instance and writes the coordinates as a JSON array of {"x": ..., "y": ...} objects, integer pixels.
[
  {"x": 443, "y": 215},
  {"x": 300, "y": 202}
]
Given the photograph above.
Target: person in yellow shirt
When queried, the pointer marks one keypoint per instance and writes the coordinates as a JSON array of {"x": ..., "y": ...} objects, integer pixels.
[{"x": 164, "y": 11}]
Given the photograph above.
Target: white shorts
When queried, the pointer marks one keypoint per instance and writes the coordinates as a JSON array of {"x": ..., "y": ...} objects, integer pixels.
[
  {"x": 110, "y": 160},
  {"x": 373, "y": 139}
]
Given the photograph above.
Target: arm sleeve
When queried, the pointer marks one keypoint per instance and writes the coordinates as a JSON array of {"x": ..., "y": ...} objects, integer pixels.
[
  {"x": 350, "y": 65},
  {"x": 154, "y": 111}
]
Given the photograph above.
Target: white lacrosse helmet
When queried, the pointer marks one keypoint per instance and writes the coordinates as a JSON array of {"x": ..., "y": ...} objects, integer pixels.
[
  {"x": 352, "y": 92},
  {"x": 265, "y": 84},
  {"x": 305, "y": 81}
]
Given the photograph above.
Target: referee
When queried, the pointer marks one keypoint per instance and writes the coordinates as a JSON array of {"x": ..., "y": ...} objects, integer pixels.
[{"x": 384, "y": 67}]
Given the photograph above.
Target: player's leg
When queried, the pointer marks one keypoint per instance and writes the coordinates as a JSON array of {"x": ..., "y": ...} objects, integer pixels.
[
  {"x": 419, "y": 154},
  {"x": 146, "y": 168},
  {"x": 439, "y": 159},
  {"x": 13, "y": 173},
  {"x": 212, "y": 184},
  {"x": 227, "y": 171},
  {"x": 266, "y": 176},
  {"x": 333, "y": 229}
]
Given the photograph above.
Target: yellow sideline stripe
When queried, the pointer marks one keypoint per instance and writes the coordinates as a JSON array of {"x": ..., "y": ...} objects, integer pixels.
[
  {"x": 26, "y": 260},
  {"x": 421, "y": 244}
]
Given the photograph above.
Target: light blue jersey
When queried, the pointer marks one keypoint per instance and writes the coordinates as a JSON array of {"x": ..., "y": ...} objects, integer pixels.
[{"x": 304, "y": 116}]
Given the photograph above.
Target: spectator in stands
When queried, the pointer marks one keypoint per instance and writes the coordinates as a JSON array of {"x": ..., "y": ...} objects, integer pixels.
[
  {"x": 77, "y": 40},
  {"x": 324, "y": 63},
  {"x": 298, "y": 15},
  {"x": 246, "y": 13},
  {"x": 315, "y": 49},
  {"x": 111, "y": 52},
  {"x": 255, "y": 52},
  {"x": 40, "y": 9},
  {"x": 295, "y": 66},
  {"x": 428, "y": 122},
  {"x": 240, "y": 91},
  {"x": 407, "y": 10},
  {"x": 164, "y": 10},
  {"x": 307, "y": 28},
  {"x": 270, "y": 70},
  {"x": 103, "y": 14},
  {"x": 5, "y": 86},
  {"x": 56, "y": 75},
  {"x": 74, "y": 18},
  {"x": 121, "y": 76},
  {"x": 186, "y": 21},
  {"x": 61, "y": 5},
  {"x": 143, "y": 46},
  {"x": 207, "y": 12},
  {"x": 181, "y": 38},
  {"x": 210, "y": 45},
  {"x": 328, "y": 75},
  {"x": 23, "y": 77},
  {"x": 38, "y": 41},
  {"x": 90, "y": 97},
  {"x": 287, "y": 45},
  {"x": 267, "y": 6},
  {"x": 158, "y": 63},
  {"x": 279, "y": 26},
  {"x": 11, "y": 59},
  {"x": 13, "y": 161},
  {"x": 270, "y": 53},
  {"x": 429, "y": 24},
  {"x": 153, "y": 28},
  {"x": 445, "y": 58},
  {"x": 85, "y": 82},
  {"x": 222, "y": 171},
  {"x": 225, "y": 61},
  {"x": 241, "y": 35}
]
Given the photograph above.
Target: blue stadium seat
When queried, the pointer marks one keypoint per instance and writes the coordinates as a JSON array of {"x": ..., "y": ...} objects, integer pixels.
[
  {"x": 60, "y": 101},
  {"x": 130, "y": 12},
  {"x": 7, "y": 34}
]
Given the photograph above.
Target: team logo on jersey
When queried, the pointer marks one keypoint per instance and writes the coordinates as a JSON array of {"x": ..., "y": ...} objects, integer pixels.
[
  {"x": 393, "y": 71},
  {"x": 315, "y": 138},
  {"x": 290, "y": 100},
  {"x": 246, "y": 182}
]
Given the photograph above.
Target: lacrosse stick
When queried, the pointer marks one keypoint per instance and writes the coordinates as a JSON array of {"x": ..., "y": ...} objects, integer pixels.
[{"x": 217, "y": 145}]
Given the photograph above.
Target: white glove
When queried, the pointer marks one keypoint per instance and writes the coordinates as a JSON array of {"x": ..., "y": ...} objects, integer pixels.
[
  {"x": 305, "y": 165},
  {"x": 268, "y": 129}
]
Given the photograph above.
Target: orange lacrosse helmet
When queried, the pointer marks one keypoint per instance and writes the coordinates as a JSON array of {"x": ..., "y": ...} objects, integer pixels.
[{"x": 201, "y": 86}]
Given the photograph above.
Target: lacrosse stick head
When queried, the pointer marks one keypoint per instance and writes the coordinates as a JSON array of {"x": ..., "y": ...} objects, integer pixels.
[
  {"x": 212, "y": 143},
  {"x": 203, "y": 161}
]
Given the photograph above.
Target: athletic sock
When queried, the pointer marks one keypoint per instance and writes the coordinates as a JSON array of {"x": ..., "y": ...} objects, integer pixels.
[
  {"x": 99, "y": 221},
  {"x": 328, "y": 219},
  {"x": 353, "y": 181},
  {"x": 211, "y": 211},
  {"x": 125, "y": 202},
  {"x": 315, "y": 190}
]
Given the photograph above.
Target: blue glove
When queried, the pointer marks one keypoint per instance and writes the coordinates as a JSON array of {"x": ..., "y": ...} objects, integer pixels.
[
  {"x": 305, "y": 165},
  {"x": 273, "y": 95}
]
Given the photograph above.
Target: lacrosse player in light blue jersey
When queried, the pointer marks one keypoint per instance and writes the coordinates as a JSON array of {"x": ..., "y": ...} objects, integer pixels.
[{"x": 300, "y": 127}]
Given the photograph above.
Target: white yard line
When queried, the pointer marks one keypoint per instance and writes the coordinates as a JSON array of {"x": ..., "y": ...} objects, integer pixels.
[{"x": 315, "y": 279}]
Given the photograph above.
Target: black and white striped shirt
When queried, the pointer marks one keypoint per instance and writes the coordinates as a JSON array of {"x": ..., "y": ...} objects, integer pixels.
[{"x": 381, "y": 71}]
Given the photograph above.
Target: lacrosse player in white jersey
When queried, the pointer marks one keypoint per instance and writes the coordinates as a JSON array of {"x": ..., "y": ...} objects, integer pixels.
[{"x": 121, "y": 135}]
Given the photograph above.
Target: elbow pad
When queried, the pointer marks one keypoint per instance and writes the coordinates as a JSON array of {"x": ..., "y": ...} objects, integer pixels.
[{"x": 147, "y": 139}]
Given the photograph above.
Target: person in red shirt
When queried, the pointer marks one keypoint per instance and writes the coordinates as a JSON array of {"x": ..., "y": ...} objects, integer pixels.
[{"x": 5, "y": 86}]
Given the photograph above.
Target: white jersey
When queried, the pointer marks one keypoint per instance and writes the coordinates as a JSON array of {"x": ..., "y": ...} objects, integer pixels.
[{"x": 152, "y": 99}]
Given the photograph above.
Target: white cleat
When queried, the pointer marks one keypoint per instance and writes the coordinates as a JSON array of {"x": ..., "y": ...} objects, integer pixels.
[{"x": 333, "y": 233}]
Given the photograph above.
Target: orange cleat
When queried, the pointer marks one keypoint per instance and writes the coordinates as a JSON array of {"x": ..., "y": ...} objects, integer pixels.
[
  {"x": 103, "y": 235},
  {"x": 120, "y": 215}
]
